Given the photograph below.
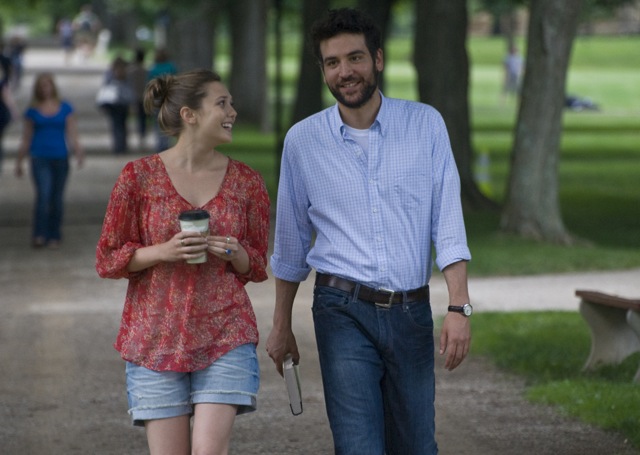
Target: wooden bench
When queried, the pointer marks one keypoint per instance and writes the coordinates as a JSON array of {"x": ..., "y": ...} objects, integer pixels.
[{"x": 615, "y": 327}]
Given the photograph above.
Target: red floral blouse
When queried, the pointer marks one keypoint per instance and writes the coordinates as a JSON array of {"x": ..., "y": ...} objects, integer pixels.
[{"x": 179, "y": 316}]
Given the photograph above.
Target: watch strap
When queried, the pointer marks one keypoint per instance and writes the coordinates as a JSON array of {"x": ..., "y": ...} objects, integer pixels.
[{"x": 466, "y": 309}]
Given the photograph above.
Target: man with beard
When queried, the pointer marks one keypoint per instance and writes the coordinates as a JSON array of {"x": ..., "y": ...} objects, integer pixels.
[{"x": 367, "y": 187}]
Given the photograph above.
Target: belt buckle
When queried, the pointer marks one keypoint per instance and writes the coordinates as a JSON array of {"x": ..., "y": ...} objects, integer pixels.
[{"x": 389, "y": 302}]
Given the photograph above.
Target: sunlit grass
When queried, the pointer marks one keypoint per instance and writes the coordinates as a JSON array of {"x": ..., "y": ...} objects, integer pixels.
[{"x": 549, "y": 349}]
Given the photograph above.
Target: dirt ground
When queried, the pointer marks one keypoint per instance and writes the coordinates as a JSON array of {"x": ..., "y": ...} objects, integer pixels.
[{"x": 62, "y": 386}]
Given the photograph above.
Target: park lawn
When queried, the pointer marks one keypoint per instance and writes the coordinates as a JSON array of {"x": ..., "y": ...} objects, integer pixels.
[
  {"x": 599, "y": 199},
  {"x": 549, "y": 349}
]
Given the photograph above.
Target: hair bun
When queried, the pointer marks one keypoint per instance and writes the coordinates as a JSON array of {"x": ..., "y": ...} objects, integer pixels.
[{"x": 157, "y": 92}]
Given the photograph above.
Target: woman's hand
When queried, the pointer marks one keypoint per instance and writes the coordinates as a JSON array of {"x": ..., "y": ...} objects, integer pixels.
[
  {"x": 225, "y": 247},
  {"x": 229, "y": 249},
  {"x": 186, "y": 245},
  {"x": 181, "y": 247}
]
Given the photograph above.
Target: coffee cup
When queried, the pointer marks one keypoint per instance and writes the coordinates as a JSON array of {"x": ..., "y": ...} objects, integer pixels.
[{"x": 195, "y": 221}]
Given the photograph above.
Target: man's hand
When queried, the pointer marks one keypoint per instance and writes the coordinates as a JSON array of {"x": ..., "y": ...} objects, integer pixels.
[
  {"x": 455, "y": 339},
  {"x": 281, "y": 343},
  {"x": 281, "y": 340}
]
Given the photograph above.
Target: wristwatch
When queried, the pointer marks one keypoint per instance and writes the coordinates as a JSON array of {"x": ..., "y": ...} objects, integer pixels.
[{"x": 465, "y": 309}]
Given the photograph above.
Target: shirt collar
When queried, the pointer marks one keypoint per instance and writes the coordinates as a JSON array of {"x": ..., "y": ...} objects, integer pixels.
[{"x": 380, "y": 123}]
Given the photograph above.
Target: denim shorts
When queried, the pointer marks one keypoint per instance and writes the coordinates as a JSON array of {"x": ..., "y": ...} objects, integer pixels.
[{"x": 232, "y": 379}]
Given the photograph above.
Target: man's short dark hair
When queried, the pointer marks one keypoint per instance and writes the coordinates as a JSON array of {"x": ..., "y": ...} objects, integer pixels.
[{"x": 345, "y": 20}]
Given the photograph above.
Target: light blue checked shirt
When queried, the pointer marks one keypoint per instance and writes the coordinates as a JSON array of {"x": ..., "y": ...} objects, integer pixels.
[{"x": 374, "y": 216}]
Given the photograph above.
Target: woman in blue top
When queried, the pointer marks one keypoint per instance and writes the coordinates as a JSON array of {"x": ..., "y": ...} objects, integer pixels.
[{"x": 49, "y": 125}]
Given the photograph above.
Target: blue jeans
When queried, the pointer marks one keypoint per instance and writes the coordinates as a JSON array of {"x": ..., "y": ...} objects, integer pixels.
[
  {"x": 377, "y": 372},
  {"x": 49, "y": 176},
  {"x": 5, "y": 120},
  {"x": 141, "y": 119},
  {"x": 118, "y": 114}
]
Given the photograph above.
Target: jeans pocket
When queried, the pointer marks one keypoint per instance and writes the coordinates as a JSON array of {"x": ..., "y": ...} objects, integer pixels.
[
  {"x": 419, "y": 313},
  {"x": 328, "y": 299}
]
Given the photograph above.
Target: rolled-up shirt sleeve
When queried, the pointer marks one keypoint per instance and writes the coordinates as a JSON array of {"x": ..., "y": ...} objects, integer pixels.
[
  {"x": 293, "y": 227},
  {"x": 448, "y": 229}
]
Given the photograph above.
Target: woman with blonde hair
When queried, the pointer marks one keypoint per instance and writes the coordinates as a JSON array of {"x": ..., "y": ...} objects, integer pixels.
[{"x": 49, "y": 125}]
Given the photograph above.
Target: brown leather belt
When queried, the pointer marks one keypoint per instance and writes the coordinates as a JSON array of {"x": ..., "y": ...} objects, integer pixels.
[{"x": 381, "y": 297}]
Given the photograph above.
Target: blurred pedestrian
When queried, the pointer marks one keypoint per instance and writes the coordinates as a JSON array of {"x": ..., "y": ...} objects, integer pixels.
[
  {"x": 5, "y": 64},
  {"x": 188, "y": 331},
  {"x": 512, "y": 65},
  {"x": 162, "y": 65},
  {"x": 137, "y": 77},
  {"x": 65, "y": 33},
  {"x": 49, "y": 125},
  {"x": 16, "y": 49},
  {"x": 86, "y": 26},
  {"x": 5, "y": 117},
  {"x": 117, "y": 103},
  {"x": 7, "y": 106}
]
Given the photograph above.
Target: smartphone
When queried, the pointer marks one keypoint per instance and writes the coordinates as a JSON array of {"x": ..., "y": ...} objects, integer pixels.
[{"x": 292, "y": 380}]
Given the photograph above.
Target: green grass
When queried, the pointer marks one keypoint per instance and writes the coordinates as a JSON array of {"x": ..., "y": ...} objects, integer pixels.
[{"x": 549, "y": 350}]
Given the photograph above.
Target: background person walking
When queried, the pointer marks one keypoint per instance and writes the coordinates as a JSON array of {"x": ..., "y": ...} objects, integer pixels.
[
  {"x": 7, "y": 104},
  {"x": 49, "y": 125},
  {"x": 137, "y": 78},
  {"x": 118, "y": 106},
  {"x": 512, "y": 64}
]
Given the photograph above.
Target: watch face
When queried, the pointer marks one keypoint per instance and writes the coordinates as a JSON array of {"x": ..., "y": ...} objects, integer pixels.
[{"x": 467, "y": 309}]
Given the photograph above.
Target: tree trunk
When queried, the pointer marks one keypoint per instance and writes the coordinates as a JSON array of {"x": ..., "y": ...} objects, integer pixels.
[
  {"x": 309, "y": 87},
  {"x": 248, "y": 80},
  {"x": 442, "y": 64},
  {"x": 380, "y": 12},
  {"x": 191, "y": 35},
  {"x": 532, "y": 208}
]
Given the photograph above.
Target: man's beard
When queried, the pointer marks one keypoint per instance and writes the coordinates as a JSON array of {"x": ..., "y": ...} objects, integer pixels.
[{"x": 366, "y": 92}]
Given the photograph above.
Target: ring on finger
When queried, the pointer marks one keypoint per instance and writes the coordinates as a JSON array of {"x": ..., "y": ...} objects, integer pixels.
[
  {"x": 228, "y": 239},
  {"x": 227, "y": 252}
]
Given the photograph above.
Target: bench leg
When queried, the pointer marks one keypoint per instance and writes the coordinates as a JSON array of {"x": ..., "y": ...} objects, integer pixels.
[
  {"x": 612, "y": 338},
  {"x": 633, "y": 319}
]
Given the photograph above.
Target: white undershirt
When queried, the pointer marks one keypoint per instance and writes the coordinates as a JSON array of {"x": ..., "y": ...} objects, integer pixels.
[{"x": 360, "y": 136}]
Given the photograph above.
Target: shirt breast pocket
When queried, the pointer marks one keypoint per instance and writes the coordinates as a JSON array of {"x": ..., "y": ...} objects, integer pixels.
[{"x": 410, "y": 190}]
